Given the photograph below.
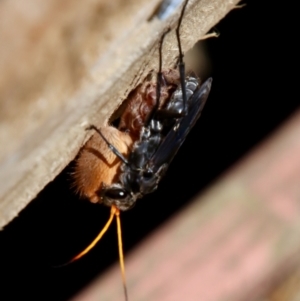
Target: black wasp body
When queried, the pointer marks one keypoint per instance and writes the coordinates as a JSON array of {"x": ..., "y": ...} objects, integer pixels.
[
  {"x": 120, "y": 165},
  {"x": 159, "y": 141},
  {"x": 144, "y": 158}
]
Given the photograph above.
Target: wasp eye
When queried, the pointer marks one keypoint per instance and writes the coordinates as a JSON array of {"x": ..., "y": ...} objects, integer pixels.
[{"x": 116, "y": 194}]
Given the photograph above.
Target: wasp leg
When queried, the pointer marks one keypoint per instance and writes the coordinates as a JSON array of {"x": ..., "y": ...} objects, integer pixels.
[
  {"x": 181, "y": 64},
  {"x": 181, "y": 109},
  {"x": 159, "y": 79},
  {"x": 112, "y": 148}
]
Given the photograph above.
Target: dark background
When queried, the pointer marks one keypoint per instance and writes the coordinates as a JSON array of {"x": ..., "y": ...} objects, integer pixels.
[{"x": 252, "y": 94}]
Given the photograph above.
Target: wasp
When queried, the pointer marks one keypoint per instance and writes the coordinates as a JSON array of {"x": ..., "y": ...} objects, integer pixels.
[{"x": 120, "y": 165}]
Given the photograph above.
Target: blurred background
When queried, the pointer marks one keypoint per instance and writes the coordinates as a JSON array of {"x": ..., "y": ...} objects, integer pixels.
[{"x": 252, "y": 96}]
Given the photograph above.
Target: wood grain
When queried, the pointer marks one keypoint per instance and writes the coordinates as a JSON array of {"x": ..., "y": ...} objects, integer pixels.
[{"x": 65, "y": 65}]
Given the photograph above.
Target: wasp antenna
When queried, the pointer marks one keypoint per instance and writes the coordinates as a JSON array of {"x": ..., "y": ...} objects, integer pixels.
[
  {"x": 99, "y": 236},
  {"x": 181, "y": 65},
  {"x": 121, "y": 255},
  {"x": 93, "y": 243}
]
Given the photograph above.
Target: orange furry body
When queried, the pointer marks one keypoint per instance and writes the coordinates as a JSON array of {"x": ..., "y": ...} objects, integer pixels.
[{"x": 97, "y": 165}]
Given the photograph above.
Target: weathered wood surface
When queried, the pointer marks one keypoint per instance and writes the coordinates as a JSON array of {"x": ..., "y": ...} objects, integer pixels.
[{"x": 65, "y": 65}]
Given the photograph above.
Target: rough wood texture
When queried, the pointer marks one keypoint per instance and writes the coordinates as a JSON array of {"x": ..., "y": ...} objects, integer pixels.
[
  {"x": 65, "y": 65},
  {"x": 237, "y": 242}
]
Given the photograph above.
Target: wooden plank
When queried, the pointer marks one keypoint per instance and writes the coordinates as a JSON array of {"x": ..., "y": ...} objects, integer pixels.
[{"x": 65, "y": 65}]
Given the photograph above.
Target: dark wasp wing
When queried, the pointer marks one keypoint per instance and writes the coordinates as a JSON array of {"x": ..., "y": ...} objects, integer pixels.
[{"x": 176, "y": 136}]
